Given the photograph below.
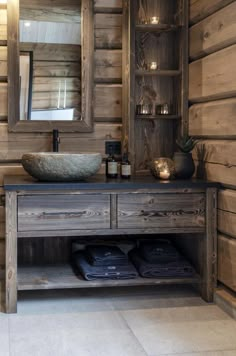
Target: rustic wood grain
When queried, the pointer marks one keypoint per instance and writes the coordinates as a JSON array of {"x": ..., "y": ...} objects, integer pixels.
[
  {"x": 108, "y": 31},
  {"x": 214, "y": 33},
  {"x": 45, "y": 10},
  {"x": 3, "y": 24},
  {"x": 210, "y": 78},
  {"x": 216, "y": 151},
  {"x": 226, "y": 261},
  {"x": 68, "y": 212},
  {"x": 216, "y": 173},
  {"x": 3, "y": 100},
  {"x": 13, "y": 62},
  {"x": 108, "y": 66},
  {"x": 227, "y": 200},
  {"x": 3, "y": 61},
  {"x": 213, "y": 119},
  {"x": 153, "y": 211},
  {"x": 209, "y": 247},
  {"x": 200, "y": 9},
  {"x": 108, "y": 5},
  {"x": 42, "y": 277},
  {"x": 11, "y": 252},
  {"x": 53, "y": 52},
  {"x": 108, "y": 101}
]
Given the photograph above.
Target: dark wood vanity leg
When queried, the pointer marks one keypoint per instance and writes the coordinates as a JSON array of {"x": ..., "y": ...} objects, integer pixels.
[
  {"x": 209, "y": 246},
  {"x": 11, "y": 252}
]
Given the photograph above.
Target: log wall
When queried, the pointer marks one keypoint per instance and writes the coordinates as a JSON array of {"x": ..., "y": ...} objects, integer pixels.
[
  {"x": 212, "y": 95},
  {"x": 107, "y": 92}
]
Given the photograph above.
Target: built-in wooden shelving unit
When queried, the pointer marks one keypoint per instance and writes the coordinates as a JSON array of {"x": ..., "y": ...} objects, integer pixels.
[{"x": 164, "y": 44}]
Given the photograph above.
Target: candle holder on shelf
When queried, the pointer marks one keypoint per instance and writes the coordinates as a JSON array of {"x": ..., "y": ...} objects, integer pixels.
[
  {"x": 162, "y": 168},
  {"x": 144, "y": 109},
  {"x": 152, "y": 66},
  {"x": 163, "y": 109},
  {"x": 154, "y": 20}
]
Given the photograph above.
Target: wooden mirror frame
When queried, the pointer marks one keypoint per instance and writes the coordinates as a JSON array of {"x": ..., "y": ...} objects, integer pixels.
[{"x": 87, "y": 75}]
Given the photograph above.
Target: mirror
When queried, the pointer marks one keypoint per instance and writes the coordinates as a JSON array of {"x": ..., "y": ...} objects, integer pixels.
[{"x": 55, "y": 60}]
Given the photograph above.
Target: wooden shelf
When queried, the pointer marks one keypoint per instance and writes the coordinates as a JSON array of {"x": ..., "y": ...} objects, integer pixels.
[
  {"x": 156, "y": 28},
  {"x": 3, "y": 43},
  {"x": 158, "y": 117},
  {"x": 63, "y": 276},
  {"x": 161, "y": 72}
]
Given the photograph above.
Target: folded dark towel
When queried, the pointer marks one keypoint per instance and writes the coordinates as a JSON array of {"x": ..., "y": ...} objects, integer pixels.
[
  {"x": 159, "y": 251},
  {"x": 90, "y": 273},
  {"x": 178, "y": 268},
  {"x": 102, "y": 255}
]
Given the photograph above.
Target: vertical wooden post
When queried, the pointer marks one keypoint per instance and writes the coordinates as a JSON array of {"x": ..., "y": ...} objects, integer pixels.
[
  {"x": 128, "y": 78},
  {"x": 184, "y": 67},
  {"x": 11, "y": 252},
  {"x": 209, "y": 246}
]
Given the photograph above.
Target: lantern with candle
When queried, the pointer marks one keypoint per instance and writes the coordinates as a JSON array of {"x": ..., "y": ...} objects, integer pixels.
[{"x": 162, "y": 168}]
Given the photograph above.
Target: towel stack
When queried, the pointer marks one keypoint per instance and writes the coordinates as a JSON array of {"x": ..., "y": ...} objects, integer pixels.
[
  {"x": 160, "y": 259},
  {"x": 103, "y": 262}
]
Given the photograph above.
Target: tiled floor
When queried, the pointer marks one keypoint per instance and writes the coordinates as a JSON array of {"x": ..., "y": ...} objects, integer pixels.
[{"x": 117, "y": 322}]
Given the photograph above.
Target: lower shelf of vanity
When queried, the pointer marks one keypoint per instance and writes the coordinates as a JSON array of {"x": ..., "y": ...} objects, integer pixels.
[{"x": 63, "y": 276}]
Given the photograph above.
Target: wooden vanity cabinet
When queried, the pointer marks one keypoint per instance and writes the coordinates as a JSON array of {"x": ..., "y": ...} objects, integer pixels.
[{"x": 97, "y": 208}]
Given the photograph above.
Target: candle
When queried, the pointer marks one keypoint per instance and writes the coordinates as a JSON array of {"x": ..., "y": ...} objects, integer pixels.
[
  {"x": 165, "y": 174},
  {"x": 153, "y": 65},
  {"x": 154, "y": 20}
]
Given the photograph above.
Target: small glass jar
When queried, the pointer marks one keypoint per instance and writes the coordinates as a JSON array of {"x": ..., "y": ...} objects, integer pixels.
[
  {"x": 163, "y": 168},
  {"x": 154, "y": 20},
  {"x": 144, "y": 109},
  {"x": 152, "y": 66}
]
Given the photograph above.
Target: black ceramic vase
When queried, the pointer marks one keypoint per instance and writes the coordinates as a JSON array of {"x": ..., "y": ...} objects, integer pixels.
[{"x": 184, "y": 165}]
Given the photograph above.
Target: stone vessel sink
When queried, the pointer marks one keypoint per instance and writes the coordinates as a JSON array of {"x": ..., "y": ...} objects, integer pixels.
[{"x": 61, "y": 167}]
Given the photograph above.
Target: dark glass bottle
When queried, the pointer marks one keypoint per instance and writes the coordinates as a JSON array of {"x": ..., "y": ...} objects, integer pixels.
[
  {"x": 111, "y": 166},
  {"x": 125, "y": 167}
]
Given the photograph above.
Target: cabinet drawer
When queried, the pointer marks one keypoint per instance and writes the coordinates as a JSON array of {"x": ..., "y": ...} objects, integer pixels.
[
  {"x": 63, "y": 212},
  {"x": 161, "y": 210}
]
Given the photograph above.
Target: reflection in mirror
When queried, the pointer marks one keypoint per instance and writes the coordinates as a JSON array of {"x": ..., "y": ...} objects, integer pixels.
[{"x": 50, "y": 60}]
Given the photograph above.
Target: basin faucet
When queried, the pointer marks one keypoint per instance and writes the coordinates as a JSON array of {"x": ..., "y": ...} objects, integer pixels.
[{"x": 56, "y": 140}]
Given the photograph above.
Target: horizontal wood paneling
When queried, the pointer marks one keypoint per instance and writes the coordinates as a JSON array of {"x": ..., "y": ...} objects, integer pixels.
[
  {"x": 227, "y": 261},
  {"x": 3, "y": 100},
  {"x": 3, "y": 61},
  {"x": 216, "y": 118},
  {"x": 216, "y": 160},
  {"x": 44, "y": 10},
  {"x": 108, "y": 101},
  {"x": 200, "y": 9},
  {"x": 13, "y": 145},
  {"x": 213, "y": 33},
  {"x": 108, "y": 65},
  {"x": 104, "y": 5},
  {"x": 2, "y": 254},
  {"x": 3, "y": 24},
  {"x": 53, "y": 52},
  {"x": 108, "y": 31},
  {"x": 227, "y": 212},
  {"x": 216, "y": 172},
  {"x": 213, "y": 77},
  {"x": 216, "y": 151}
]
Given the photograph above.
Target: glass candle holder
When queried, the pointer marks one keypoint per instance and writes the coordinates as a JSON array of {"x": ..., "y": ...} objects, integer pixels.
[
  {"x": 162, "y": 168},
  {"x": 154, "y": 20},
  {"x": 152, "y": 66},
  {"x": 144, "y": 109}
]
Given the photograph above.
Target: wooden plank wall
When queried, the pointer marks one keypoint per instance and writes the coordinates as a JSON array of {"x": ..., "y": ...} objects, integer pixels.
[
  {"x": 212, "y": 95},
  {"x": 107, "y": 111}
]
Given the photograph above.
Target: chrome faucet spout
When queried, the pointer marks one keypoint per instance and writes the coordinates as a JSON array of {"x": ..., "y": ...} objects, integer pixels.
[{"x": 56, "y": 140}]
